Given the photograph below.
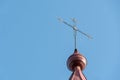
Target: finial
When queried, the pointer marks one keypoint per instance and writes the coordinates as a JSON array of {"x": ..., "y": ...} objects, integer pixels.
[{"x": 76, "y": 62}]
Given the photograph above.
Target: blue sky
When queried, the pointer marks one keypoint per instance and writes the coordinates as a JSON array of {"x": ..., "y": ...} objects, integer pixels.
[{"x": 34, "y": 45}]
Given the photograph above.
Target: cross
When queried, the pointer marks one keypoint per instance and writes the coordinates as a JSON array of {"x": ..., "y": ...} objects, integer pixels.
[{"x": 75, "y": 29}]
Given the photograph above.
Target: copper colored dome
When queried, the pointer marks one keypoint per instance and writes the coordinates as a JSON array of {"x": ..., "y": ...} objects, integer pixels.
[{"x": 76, "y": 59}]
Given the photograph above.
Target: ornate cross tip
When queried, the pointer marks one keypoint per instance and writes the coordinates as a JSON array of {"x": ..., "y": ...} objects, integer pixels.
[
  {"x": 74, "y": 20},
  {"x": 60, "y": 19}
]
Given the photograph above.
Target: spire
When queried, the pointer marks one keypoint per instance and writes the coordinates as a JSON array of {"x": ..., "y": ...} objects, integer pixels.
[{"x": 76, "y": 63}]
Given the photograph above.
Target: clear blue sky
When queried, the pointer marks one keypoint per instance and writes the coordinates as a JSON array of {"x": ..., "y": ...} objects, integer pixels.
[{"x": 34, "y": 45}]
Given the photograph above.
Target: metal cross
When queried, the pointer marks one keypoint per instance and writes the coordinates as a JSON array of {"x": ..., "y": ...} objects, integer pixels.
[{"x": 75, "y": 29}]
